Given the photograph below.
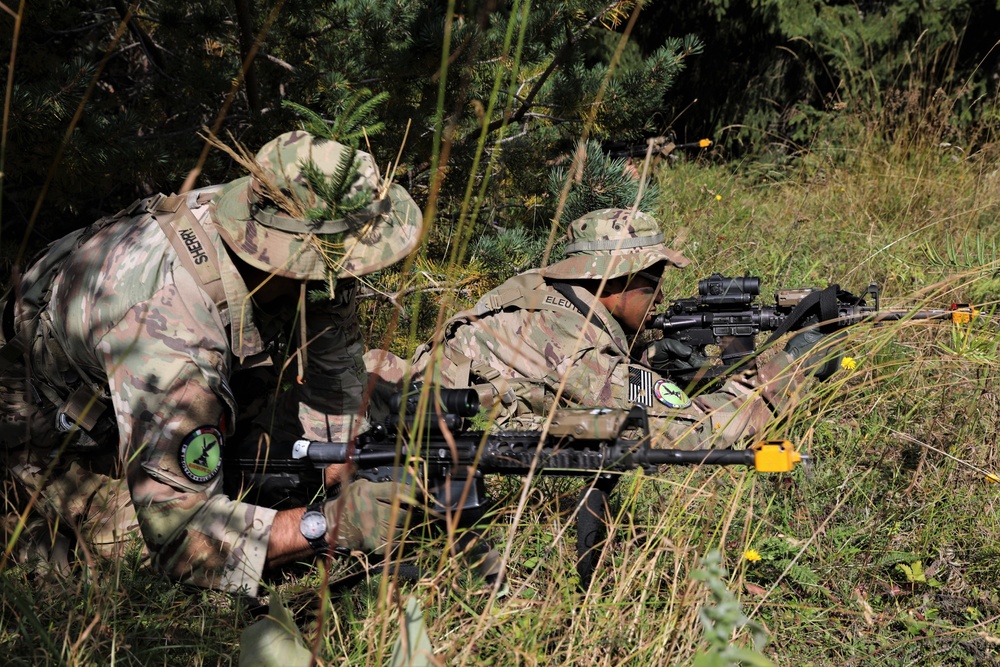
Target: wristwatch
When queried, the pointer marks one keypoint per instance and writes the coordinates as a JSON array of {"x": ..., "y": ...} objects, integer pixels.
[{"x": 313, "y": 528}]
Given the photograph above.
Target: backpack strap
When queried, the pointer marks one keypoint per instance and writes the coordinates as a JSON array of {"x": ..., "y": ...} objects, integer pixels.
[
  {"x": 580, "y": 306},
  {"x": 191, "y": 242},
  {"x": 530, "y": 291},
  {"x": 527, "y": 291}
]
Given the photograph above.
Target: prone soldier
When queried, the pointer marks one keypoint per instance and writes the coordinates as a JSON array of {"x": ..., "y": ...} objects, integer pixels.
[
  {"x": 566, "y": 335},
  {"x": 134, "y": 352}
]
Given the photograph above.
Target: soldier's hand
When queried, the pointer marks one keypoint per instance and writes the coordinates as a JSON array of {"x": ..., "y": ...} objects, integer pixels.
[
  {"x": 824, "y": 359},
  {"x": 669, "y": 355},
  {"x": 366, "y": 520}
]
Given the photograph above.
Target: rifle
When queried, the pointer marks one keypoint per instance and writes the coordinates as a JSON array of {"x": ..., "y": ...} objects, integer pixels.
[
  {"x": 431, "y": 447},
  {"x": 726, "y": 313}
]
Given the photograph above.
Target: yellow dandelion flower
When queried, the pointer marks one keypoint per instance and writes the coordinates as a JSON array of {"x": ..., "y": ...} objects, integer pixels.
[
  {"x": 848, "y": 363},
  {"x": 992, "y": 478},
  {"x": 751, "y": 555},
  {"x": 718, "y": 197}
]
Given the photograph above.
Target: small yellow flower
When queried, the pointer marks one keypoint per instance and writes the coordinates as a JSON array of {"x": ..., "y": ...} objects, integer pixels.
[
  {"x": 718, "y": 197},
  {"x": 992, "y": 478},
  {"x": 751, "y": 555},
  {"x": 848, "y": 363}
]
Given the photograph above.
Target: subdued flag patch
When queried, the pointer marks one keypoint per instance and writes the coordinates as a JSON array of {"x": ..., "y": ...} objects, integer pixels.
[{"x": 640, "y": 386}]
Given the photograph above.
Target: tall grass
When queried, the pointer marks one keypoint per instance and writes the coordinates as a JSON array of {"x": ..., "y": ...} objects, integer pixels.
[{"x": 884, "y": 553}]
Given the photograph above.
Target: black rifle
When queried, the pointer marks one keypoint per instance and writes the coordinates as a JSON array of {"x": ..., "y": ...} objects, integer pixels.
[
  {"x": 448, "y": 463},
  {"x": 726, "y": 313}
]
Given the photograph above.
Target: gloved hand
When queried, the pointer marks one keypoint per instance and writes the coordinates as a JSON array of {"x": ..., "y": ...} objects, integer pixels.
[
  {"x": 669, "y": 355},
  {"x": 823, "y": 362},
  {"x": 365, "y": 519}
]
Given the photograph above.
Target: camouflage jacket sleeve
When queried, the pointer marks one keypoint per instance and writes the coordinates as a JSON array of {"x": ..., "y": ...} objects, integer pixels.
[
  {"x": 167, "y": 362},
  {"x": 741, "y": 409},
  {"x": 602, "y": 374}
]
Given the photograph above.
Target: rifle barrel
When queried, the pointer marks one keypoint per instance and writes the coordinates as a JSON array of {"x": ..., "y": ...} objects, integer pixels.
[
  {"x": 336, "y": 452},
  {"x": 895, "y": 315},
  {"x": 722, "y": 457},
  {"x": 859, "y": 315}
]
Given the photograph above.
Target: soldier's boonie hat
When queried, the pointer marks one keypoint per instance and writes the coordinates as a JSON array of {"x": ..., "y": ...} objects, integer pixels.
[
  {"x": 613, "y": 242},
  {"x": 265, "y": 236}
]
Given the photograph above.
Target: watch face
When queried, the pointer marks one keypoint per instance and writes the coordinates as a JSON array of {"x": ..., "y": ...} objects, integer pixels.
[{"x": 313, "y": 525}]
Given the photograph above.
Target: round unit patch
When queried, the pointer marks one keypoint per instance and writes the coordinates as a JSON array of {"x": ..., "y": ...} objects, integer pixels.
[
  {"x": 670, "y": 395},
  {"x": 201, "y": 454}
]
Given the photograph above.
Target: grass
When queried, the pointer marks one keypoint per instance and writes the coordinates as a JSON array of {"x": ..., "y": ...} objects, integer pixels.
[{"x": 884, "y": 553}]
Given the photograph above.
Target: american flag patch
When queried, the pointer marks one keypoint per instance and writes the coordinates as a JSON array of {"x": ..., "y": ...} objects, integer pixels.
[{"x": 640, "y": 386}]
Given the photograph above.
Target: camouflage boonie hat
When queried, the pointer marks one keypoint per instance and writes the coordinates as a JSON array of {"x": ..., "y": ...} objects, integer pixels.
[
  {"x": 613, "y": 242},
  {"x": 261, "y": 234}
]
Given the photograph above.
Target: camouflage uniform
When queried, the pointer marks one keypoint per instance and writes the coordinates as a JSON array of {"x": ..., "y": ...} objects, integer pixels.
[
  {"x": 536, "y": 337},
  {"x": 132, "y": 334}
]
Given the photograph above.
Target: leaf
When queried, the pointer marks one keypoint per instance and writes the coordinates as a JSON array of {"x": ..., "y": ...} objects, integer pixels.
[
  {"x": 913, "y": 625},
  {"x": 801, "y": 574},
  {"x": 914, "y": 572},
  {"x": 709, "y": 660},
  {"x": 894, "y": 557},
  {"x": 747, "y": 656},
  {"x": 754, "y": 589},
  {"x": 413, "y": 646},
  {"x": 274, "y": 641}
]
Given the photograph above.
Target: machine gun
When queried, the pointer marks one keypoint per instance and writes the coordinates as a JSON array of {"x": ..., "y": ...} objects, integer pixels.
[
  {"x": 726, "y": 313},
  {"x": 430, "y": 446}
]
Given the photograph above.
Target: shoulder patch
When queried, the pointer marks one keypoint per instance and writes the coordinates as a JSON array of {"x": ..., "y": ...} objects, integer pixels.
[
  {"x": 640, "y": 386},
  {"x": 671, "y": 395},
  {"x": 201, "y": 454}
]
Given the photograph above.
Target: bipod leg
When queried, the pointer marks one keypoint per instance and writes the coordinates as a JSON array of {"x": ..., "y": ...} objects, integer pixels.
[{"x": 591, "y": 524}]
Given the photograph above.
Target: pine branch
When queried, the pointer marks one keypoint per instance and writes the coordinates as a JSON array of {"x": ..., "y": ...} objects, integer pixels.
[
  {"x": 353, "y": 118},
  {"x": 313, "y": 122},
  {"x": 558, "y": 60},
  {"x": 357, "y": 113}
]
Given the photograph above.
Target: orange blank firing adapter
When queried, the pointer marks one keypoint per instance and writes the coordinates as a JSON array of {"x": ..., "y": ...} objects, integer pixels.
[
  {"x": 963, "y": 313},
  {"x": 776, "y": 456}
]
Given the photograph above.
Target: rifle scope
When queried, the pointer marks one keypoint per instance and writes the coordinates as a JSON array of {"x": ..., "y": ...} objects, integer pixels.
[
  {"x": 719, "y": 290},
  {"x": 459, "y": 402}
]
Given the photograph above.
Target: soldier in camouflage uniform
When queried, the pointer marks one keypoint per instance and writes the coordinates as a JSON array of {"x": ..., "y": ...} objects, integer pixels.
[
  {"x": 129, "y": 346},
  {"x": 564, "y": 334}
]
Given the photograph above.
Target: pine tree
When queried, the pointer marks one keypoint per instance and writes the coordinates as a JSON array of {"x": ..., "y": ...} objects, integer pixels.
[{"x": 522, "y": 84}]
